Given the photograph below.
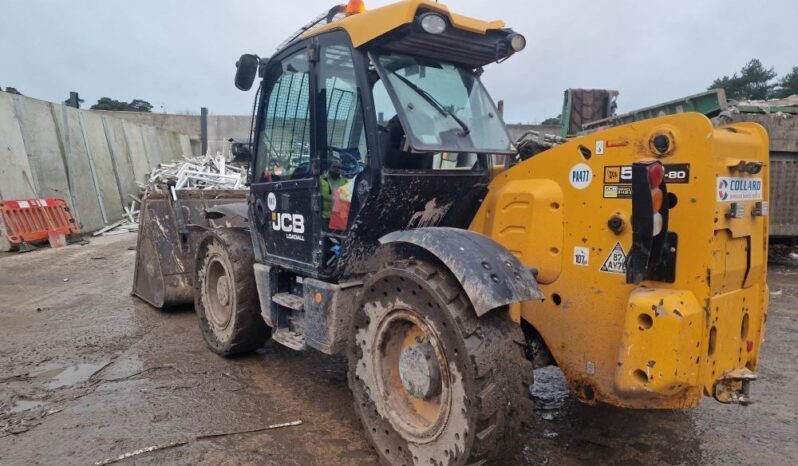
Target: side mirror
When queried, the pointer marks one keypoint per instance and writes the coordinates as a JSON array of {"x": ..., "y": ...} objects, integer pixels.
[{"x": 246, "y": 69}]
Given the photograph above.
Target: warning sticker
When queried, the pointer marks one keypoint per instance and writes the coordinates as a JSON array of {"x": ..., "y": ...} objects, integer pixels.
[
  {"x": 581, "y": 256},
  {"x": 616, "y": 261}
]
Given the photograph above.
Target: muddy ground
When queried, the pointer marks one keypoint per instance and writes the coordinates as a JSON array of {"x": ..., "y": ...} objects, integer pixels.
[{"x": 87, "y": 373}]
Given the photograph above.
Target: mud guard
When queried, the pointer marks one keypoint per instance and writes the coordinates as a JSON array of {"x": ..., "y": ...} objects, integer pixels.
[{"x": 490, "y": 275}]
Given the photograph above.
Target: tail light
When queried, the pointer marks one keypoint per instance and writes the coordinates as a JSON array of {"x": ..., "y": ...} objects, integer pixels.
[
  {"x": 656, "y": 179},
  {"x": 652, "y": 256}
]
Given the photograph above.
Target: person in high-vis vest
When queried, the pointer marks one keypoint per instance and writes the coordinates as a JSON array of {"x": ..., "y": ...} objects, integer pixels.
[{"x": 330, "y": 180}]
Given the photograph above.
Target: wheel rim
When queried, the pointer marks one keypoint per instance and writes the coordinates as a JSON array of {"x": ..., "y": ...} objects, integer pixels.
[
  {"x": 413, "y": 377},
  {"x": 218, "y": 284}
]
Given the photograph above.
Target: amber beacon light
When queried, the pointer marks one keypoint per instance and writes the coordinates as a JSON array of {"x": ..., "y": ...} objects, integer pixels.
[{"x": 354, "y": 7}]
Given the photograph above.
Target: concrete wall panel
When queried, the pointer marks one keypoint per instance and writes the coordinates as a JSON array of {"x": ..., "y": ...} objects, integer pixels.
[
  {"x": 138, "y": 153},
  {"x": 152, "y": 145},
  {"x": 16, "y": 179},
  {"x": 169, "y": 148},
  {"x": 105, "y": 174},
  {"x": 185, "y": 145},
  {"x": 43, "y": 147},
  {"x": 120, "y": 153},
  {"x": 84, "y": 193}
]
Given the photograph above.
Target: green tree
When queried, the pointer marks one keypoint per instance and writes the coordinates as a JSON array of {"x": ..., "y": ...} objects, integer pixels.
[
  {"x": 552, "y": 121},
  {"x": 11, "y": 90},
  {"x": 788, "y": 85},
  {"x": 136, "y": 105},
  {"x": 752, "y": 83}
]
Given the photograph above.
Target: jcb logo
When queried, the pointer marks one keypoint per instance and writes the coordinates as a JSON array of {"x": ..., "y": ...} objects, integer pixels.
[
  {"x": 289, "y": 223},
  {"x": 618, "y": 174}
]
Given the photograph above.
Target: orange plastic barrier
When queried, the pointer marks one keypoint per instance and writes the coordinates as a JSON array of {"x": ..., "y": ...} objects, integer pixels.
[{"x": 35, "y": 220}]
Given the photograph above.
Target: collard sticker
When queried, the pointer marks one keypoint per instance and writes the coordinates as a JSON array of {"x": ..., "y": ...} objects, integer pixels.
[
  {"x": 599, "y": 147},
  {"x": 581, "y": 256},
  {"x": 739, "y": 189},
  {"x": 616, "y": 261},
  {"x": 581, "y": 176}
]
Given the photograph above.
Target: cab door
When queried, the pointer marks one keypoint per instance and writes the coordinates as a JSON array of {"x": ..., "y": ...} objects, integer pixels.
[
  {"x": 284, "y": 205},
  {"x": 346, "y": 168}
]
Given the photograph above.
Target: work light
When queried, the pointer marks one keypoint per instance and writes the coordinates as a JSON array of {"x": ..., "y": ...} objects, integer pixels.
[
  {"x": 433, "y": 23},
  {"x": 517, "y": 42}
]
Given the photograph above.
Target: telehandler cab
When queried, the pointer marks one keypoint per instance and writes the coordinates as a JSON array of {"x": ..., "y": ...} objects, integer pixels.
[{"x": 380, "y": 222}]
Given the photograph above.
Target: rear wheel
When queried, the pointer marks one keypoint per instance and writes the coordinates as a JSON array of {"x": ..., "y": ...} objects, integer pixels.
[
  {"x": 226, "y": 295},
  {"x": 432, "y": 383}
]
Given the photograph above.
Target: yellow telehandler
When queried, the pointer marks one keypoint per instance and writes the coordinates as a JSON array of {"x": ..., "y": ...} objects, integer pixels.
[{"x": 390, "y": 217}]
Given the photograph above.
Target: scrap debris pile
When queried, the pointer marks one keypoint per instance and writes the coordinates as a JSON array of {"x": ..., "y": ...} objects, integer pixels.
[
  {"x": 533, "y": 142},
  {"x": 201, "y": 172},
  {"x": 126, "y": 225},
  {"x": 207, "y": 172}
]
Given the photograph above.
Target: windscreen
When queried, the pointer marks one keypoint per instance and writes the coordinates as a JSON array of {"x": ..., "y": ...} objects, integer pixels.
[{"x": 442, "y": 107}]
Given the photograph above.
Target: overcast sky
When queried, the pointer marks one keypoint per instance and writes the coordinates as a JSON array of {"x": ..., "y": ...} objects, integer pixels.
[{"x": 180, "y": 54}]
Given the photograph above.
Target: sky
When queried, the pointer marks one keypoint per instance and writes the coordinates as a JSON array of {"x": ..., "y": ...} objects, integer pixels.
[{"x": 180, "y": 54}]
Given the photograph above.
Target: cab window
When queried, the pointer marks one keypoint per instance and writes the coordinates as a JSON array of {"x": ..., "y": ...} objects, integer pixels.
[
  {"x": 284, "y": 140},
  {"x": 345, "y": 135},
  {"x": 345, "y": 155},
  {"x": 389, "y": 122}
]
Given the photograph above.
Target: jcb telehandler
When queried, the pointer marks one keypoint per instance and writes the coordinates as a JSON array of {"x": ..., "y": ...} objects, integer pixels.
[{"x": 380, "y": 223}]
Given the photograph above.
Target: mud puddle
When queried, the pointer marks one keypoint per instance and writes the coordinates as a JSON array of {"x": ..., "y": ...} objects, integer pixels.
[
  {"x": 67, "y": 376},
  {"x": 20, "y": 406},
  {"x": 550, "y": 392}
]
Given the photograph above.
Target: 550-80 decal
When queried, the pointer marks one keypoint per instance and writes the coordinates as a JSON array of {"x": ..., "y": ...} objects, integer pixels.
[{"x": 618, "y": 179}]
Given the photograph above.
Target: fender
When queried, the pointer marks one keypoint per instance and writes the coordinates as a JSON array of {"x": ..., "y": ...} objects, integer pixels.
[{"x": 490, "y": 275}]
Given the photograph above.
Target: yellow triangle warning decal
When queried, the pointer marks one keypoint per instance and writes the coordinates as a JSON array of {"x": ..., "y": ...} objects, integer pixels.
[{"x": 616, "y": 261}]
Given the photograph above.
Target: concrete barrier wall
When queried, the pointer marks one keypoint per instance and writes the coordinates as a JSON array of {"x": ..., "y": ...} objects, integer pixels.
[
  {"x": 223, "y": 127},
  {"x": 93, "y": 160},
  {"x": 16, "y": 176},
  {"x": 220, "y": 127}
]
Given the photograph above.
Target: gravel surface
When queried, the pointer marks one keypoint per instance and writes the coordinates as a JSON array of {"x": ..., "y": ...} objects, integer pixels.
[{"x": 88, "y": 373}]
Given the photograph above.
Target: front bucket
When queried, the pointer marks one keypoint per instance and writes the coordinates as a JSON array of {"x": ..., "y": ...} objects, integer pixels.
[{"x": 167, "y": 244}]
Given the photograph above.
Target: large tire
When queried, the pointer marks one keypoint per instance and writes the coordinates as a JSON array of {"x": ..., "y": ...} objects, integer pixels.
[
  {"x": 225, "y": 295},
  {"x": 414, "y": 317}
]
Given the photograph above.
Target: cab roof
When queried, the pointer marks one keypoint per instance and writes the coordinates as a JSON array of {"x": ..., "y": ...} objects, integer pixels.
[{"x": 373, "y": 24}]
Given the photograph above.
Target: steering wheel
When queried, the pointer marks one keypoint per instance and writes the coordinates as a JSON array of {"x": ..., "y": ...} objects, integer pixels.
[{"x": 348, "y": 158}]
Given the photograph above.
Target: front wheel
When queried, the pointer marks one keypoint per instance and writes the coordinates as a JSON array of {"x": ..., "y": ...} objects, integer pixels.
[
  {"x": 432, "y": 382},
  {"x": 225, "y": 295}
]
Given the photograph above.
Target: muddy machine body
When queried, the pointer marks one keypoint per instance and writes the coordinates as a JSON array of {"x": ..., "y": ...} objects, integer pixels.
[{"x": 390, "y": 218}]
